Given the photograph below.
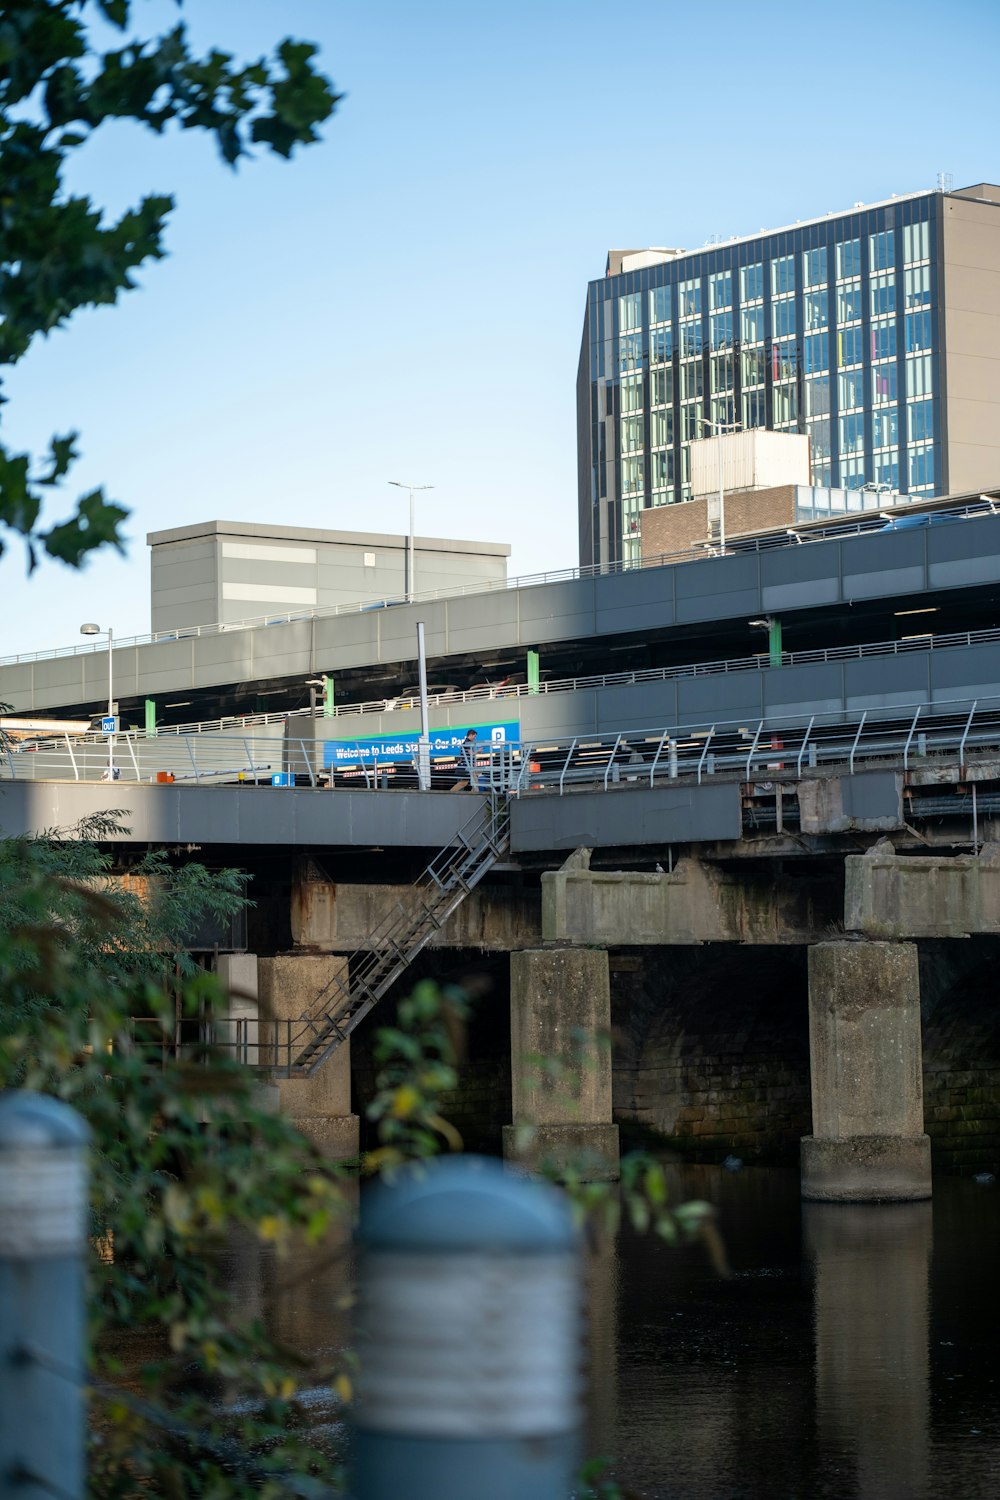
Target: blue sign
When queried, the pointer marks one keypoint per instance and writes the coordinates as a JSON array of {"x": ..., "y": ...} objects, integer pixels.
[
  {"x": 446, "y": 744},
  {"x": 109, "y": 724}
]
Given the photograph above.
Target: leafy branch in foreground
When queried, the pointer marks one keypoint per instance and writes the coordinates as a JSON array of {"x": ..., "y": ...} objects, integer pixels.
[
  {"x": 185, "y": 1160},
  {"x": 57, "y": 252}
]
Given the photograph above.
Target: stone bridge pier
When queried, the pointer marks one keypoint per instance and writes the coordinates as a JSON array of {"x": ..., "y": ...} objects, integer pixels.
[
  {"x": 264, "y": 992},
  {"x": 868, "y": 1140}
]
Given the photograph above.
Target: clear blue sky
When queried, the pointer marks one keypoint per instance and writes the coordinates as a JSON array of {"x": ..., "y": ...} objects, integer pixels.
[{"x": 405, "y": 300}]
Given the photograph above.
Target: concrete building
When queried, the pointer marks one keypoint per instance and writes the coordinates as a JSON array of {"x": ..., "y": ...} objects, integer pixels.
[
  {"x": 219, "y": 572},
  {"x": 875, "y": 333}
]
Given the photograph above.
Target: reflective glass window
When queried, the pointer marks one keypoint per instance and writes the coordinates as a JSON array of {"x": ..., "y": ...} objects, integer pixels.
[
  {"x": 917, "y": 286},
  {"x": 783, "y": 275},
  {"x": 632, "y": 434},
  {"x": 689, "y": 298},
  {"x": 629, "y": 352},
  {"x": 816, "y": 352},
  {"x": 632, "y": 476},
  {"x": 754, "y": 414},
  {"x": 783, "y": 318},
  {"x": 885, "y": 384},
  {"x": 921, "y": 465},
  {"x": 918, "y": 331},
  {"x": 851, "y": 390},
  {"x": 692, "y": 380},
  {"x": 848, "y": 259},
  {"x": 690, "y": 339},
  {"x": 661, "y": 345},
  {"x": 819, "y": 438},
  {"x": 784, "y": 361},
  {"x": 723, "y": 410},
  {"x": 663, "y": 469},
  {"x": 916, "y": 243},
  {"x": 883, "y": 293},
  {"x": 751, "y": 283},
  {"x": 632, "y": 393},
  {"x": 754, "y": 363},
  {"x": 661, "y": 429},
  {"x": 692, "y": 425},
  {"x": 920, "y": 421},
  {"x": 881, "y": 251},
  {"x": 814, "y": 267},
  {"x": 849, "y": 302},
  {"x": 919, "y": 377},
  {"x": 630, "y": 312},
  {"x": 786, "y": 405},
  {"x": 752, "y": 324},
  {"x": 850, "y": 345},
  {"x": 659, "y": 304},
  {"x": 852, "y": 477},
  {"x": 816, "y": 396},
  {"x": 815, "y": 310},
  {"x": 885, "y": 427},
  {"x": 852, "y": 432},
  {"x": 720, "y": 290},
  {"x": 720, "y": 329},
  {"x": 661, "y": 388},
  {"x": 722, "y": 372},
  {"x": 883, "y": 340},
  {"x": 885, "y": 468}
]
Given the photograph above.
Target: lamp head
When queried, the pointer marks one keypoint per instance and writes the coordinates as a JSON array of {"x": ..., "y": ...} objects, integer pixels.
[{"x": 91, "y": 629}]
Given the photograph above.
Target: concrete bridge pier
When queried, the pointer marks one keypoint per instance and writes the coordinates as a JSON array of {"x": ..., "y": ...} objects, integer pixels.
[
  {"x": 868, "y": 1142},
  {"x": 320, "y": 1107},
  {"x": 560, "y": 1020}
]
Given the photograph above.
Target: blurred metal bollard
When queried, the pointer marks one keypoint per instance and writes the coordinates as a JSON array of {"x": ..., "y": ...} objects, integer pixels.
[
  {"x": 43, "y": 1239},
  {"x": 469, "y": 1338}
]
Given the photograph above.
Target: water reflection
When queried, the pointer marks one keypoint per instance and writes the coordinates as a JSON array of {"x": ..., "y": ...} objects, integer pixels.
[
  {"x": 851, "y": 1356},
  {"x": 871, "y": 1289}
]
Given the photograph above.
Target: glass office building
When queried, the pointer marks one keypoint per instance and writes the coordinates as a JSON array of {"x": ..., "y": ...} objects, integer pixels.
[{"x": 832, "y": 328}]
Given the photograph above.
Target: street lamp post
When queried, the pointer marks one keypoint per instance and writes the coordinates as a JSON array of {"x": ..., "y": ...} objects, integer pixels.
[
  {"x": 717, "y": 428},
  {"x": 410, "y": 565},
  {"x": 91, "y": 629}
]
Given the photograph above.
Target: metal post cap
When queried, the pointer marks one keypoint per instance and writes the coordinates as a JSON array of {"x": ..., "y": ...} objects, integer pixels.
[
  {"x": 43, "y": 1177},
  {"x": 30, "y": 1121},
  {"x": 466, "y": 1203}
]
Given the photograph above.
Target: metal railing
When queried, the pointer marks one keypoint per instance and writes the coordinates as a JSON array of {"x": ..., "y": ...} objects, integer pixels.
[
  {"x": 866, "y": 521},
  {"x": 498, "y": 692},
  {"x": 243, "y": 760},
  {"x": 742, "y": 748}
]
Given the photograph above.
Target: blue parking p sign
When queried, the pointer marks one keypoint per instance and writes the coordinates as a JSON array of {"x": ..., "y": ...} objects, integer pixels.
[{"x": 109, "y": 724}]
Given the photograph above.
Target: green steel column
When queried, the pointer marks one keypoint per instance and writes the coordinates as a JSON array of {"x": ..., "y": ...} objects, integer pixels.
[
  {"x": 532, "y": 671},
  {"x": 150, "y": 719},
  {"x": 774, "y": 641},
  {"x": 328, "y": 709}
]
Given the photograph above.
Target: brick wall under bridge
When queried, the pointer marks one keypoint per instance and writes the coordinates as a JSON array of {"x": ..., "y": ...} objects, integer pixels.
[{"x": 711, "y": 1052}]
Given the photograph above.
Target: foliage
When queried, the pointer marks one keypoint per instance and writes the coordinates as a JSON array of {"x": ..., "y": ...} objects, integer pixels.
[
  {"x": 184, "y": 1160},
  {"x": 57, "y": 252}
]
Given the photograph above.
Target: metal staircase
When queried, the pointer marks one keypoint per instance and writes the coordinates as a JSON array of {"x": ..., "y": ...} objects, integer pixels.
[{"x": 407, "y": 929}]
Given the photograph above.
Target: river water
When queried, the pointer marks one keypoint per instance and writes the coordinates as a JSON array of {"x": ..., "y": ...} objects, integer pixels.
[{"x": 853, "y": 1354}]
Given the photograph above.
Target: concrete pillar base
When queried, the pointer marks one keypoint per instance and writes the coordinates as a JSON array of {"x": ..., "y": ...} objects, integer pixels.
[
  {"x": 590, "y": 1151},
  {"x": 337, "y": 1137},
  {"x": 866, "y": 1168}
]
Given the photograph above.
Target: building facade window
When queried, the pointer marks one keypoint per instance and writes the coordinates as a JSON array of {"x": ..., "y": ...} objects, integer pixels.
[{"x": 829, "y": 329}]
